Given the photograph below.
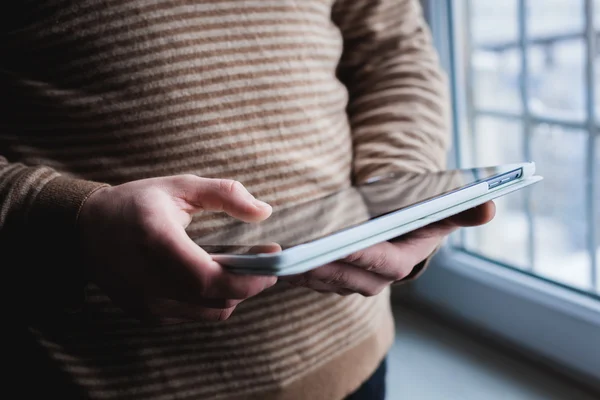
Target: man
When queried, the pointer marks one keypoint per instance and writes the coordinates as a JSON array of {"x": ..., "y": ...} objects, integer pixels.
[{"x": 126, "y": 122}]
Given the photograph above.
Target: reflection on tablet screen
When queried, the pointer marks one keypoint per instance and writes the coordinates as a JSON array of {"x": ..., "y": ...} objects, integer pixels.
[{"x": 301, "y": 223}]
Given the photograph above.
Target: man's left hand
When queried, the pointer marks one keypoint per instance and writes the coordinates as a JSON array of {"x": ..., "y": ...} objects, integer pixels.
[{"x": 371, "y": 270}]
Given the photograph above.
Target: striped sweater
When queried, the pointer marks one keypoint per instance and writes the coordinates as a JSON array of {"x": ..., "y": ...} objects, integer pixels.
[{"x": 294, "y": 98}]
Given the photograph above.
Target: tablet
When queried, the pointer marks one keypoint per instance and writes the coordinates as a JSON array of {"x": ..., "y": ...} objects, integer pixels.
[{"x": 301, "y": 237}]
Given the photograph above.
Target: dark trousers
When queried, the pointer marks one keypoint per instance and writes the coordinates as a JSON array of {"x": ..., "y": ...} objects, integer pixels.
[{"x": 374, "y": 387}]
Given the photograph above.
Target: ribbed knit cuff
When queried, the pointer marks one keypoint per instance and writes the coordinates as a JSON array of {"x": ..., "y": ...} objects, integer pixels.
[{"x": 54, "y": 247}]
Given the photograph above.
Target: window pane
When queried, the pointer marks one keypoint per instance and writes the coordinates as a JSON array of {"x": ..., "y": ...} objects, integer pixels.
[
  {"x": 557, "y": 79},
  {"x": 502, "y": 15},
  {"x": 505, "y": 239},
  {"x": 543, "y": 229},
  {"x": 496, "y": 80},
  {"x": 549, "y": 18},
  {"x": 560, "y": 223},
  {"x": 497, "y": 142},
  {"x": 556, "y": 58},
  {"x": 495, "y": 58}
]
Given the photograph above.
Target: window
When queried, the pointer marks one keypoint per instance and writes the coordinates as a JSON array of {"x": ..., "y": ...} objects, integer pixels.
[
  {"x": 527, "y": 69},
  {"x": 525, "y": 78}
]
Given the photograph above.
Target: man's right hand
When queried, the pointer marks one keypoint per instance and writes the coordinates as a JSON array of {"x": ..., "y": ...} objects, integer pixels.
[{"x": 136, "y": 248}]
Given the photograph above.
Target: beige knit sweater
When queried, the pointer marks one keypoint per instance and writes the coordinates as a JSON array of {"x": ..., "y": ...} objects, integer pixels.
[{"x": 294, "y": 98}]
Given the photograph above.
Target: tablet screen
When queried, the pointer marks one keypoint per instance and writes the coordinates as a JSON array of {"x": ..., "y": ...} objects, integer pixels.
[{"x": 302, "y": 223}]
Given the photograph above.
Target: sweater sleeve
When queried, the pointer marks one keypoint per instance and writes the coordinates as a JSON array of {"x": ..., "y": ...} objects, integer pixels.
[
  {"x": 38, "y": 236},
  {"x": 398, "y": 97}
]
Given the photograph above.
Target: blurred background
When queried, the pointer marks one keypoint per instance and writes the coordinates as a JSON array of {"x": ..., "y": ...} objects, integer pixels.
[
  {"x": 529, "y": 88},
  {"x": 525, "y": 77}
]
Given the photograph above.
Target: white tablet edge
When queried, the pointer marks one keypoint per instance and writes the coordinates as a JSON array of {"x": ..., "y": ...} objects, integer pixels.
[
  {"x": 295, "y": 254},
  {"x": 284, "y": 264}
]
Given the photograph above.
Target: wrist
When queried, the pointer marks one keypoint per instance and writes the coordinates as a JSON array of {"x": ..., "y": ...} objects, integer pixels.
[
  {"x": 51, "y": 228},
  {"x": 90, "y": 205}
]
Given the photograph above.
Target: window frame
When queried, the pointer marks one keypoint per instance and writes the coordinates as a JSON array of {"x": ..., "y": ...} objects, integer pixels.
[{"x": 550, "y": 322}]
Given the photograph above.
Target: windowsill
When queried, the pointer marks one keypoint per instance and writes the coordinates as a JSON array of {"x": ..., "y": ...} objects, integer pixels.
[
  {"x": 555, "y": 326},
  {"x": 432, "y": 360}
]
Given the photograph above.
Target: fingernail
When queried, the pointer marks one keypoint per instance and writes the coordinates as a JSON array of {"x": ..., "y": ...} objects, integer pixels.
[{"x": 261, "y": 204}]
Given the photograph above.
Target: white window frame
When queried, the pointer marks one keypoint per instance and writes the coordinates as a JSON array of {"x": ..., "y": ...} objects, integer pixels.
[{"x": 552, "y": 323}]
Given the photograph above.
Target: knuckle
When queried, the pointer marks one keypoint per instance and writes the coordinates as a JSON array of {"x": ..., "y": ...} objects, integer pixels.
[
  {"x": 270, "y": 282},
  {"x": 189, "y": 177},
  {"x": 185, "y": 179},
  {"x": 230, "y": 187},
  {"x": 338, "y": 277},
  {"x": 223, "y": 315},
  {"x": 241, "y": 292},
  {"x": 354, "y": 257},
  {"x": 401, "y": 272},
  {"x": 371, "y": 291},
  {"x": 379, "y": 262},
  {"x": 178, "y": 184},
  {"x": 300, "y": 279}
]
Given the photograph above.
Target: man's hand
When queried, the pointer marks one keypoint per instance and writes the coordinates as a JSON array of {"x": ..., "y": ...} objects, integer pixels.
[
  {"x": 369, "y": 271},
  {"x": 136, "y": 249}
]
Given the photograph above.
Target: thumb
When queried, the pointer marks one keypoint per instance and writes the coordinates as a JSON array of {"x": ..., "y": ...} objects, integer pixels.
[{"x": 218, "y": 195}]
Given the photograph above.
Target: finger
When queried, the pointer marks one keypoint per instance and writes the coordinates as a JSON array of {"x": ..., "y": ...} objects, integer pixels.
[
  {"x": 437, "y": 231},
  {"x": 217, "y": 304},
  {"x": 265, "y": 248},
  {"x": 163, "y": 287},
  {"x": 420, "y": 244},
  {"x": 167, "y": 312},
  {"x": 321, "y": 287},
  {"x": 476, "y": 216},
  {"x": 193, "y": 276},
  {"x": 218, "y": 195},
  {"x": 160, "y": 310},
  {"x": 386, "y": 259},
  {"x": 340, "y": 276},
  {"x": 397, "y": 258},
  {"x": 170, "y": 311}
]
